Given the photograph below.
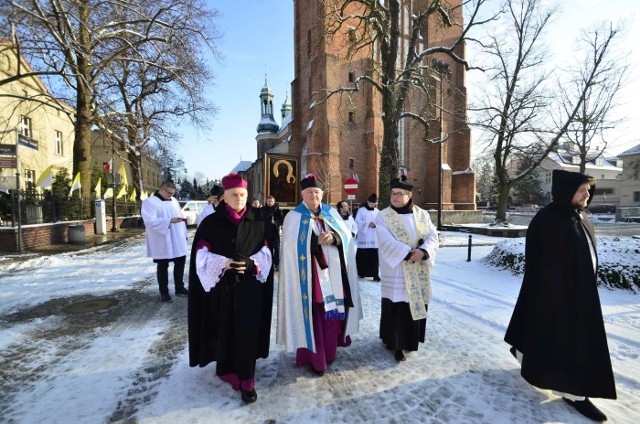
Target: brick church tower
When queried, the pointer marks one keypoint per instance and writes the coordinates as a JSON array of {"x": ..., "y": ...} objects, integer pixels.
[{"x": 341, "y": 137}]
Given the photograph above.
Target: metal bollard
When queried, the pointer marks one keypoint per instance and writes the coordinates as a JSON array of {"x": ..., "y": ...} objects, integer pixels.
[{"x": 469, "y": 250}]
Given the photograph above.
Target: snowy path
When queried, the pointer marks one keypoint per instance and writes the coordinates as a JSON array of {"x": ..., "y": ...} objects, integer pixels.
[{"x": 130, "y": 362}]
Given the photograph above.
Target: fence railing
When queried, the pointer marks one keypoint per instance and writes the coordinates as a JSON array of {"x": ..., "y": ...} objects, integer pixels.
[{"x": 45, "y": 208}]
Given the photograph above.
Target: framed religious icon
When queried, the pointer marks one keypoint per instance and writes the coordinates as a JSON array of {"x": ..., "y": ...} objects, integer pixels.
[{"x": 282, "y": 179}]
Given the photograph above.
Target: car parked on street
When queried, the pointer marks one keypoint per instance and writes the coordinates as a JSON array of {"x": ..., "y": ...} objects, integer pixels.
[
  {"x": 602, "y": 208},
  {"x": 191, "y": 209}
]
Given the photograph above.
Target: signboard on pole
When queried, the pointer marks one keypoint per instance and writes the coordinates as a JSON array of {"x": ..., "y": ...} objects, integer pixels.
[
  {"x": 8, "y": 162},
  {"x": 8, "y": 149},
  {"x": 27, "y": 141},
  {"x": 351, "y": 186}
]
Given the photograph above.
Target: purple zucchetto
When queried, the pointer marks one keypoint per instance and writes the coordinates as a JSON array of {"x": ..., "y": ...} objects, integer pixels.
[
  {"x": 310, "y": 181},
  {"x": 233, "y": 180}
]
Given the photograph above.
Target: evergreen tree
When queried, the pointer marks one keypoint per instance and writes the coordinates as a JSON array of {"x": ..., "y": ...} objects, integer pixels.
[
  {"x": 528, "y": 189},
  {"x": 186, "y": 189}
]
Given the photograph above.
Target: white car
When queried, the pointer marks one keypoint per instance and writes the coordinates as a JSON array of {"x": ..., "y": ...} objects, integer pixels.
[{"x": 191, "y": 209}]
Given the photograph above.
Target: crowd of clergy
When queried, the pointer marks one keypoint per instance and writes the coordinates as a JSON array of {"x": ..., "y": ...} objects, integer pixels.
[{"x": 324, "y": 254}]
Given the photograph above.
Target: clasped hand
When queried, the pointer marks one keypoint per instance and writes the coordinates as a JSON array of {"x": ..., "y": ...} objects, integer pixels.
[
  {"x": 239, "y": 266},
  {"x": 416, "y": 255}
]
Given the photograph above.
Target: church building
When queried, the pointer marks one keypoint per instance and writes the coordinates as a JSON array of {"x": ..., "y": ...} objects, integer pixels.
[{"x": 341, "y": 138}]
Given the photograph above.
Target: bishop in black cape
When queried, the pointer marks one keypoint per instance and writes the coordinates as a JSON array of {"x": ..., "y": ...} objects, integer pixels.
[
  {"x": 557, "y": 321},
  {"x": 231, "y": 324}
]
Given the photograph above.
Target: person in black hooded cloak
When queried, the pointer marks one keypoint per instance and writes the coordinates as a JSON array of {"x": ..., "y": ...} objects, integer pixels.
[{"x": 556, "y": 330}]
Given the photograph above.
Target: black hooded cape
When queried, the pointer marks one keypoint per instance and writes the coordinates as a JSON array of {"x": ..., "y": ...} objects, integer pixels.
[
  {"x": 231, "y": 324},
  {"x": 557, "y": 321}
]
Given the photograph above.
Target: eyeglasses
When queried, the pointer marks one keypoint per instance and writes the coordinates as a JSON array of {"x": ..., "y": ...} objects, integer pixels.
[
  {"x": 398, "y": 193},
  {"x": 170, "y": 193}
]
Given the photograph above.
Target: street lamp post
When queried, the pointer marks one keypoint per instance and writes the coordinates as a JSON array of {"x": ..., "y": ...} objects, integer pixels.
[
  {"x": 18, "y": 214},
  {"x": 19, "y": 211},
  {"x": 442, "y": 69},
  {"x": 114, "y": 225}
]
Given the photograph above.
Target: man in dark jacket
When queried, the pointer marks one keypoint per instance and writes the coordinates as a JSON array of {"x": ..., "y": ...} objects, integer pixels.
[
  {"x": 557, "y": 331},
  {"x": 273, "y": 221},
  {"x": 231, "y": 290}
]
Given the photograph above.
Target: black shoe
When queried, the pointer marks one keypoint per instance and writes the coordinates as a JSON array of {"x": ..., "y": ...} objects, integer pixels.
[
  {"x": 166, "y": 298},
  {"x": 181, "y": 291},
  {"x": 588, "y": 409},
  {"x": 316, "y": 372},
  {"x": 376, "y": 279},
  {"x": 248, "y": 396},
  {"x": 399, "y": 355}
]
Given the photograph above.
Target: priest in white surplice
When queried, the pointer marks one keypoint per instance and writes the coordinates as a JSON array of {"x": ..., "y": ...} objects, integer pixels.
[
  {"x": 407, "y": 246},
  {"x": 318, "y": 293},
  {"x": 166, "y": 234}
]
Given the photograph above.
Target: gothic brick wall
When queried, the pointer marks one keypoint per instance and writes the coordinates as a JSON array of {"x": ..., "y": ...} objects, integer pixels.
[{"x": 342, "y": 136}]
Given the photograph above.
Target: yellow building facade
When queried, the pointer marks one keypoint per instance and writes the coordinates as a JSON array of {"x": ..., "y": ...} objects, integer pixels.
[{"x": 30, "y": 117}]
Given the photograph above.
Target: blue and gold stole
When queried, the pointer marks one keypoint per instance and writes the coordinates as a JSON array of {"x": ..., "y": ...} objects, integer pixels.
[{"x": 305, "y": 280}]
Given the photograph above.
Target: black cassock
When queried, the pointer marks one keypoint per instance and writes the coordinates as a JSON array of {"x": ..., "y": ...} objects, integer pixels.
[
  {"x": 557, "y": 321},
  {"x": 231, "y": 324}
]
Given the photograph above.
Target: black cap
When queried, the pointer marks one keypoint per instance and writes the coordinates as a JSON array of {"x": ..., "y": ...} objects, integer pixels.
[
  {"x": 401, "y": 183},
  {"x": 310, "y": 181},
  {"x": 216, "y": 190}
]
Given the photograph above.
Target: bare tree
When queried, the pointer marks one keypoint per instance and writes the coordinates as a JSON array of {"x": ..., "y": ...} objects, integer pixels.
[
  {"x": 373, "y": 30},
  {"x": 517, "y": 101},
  {"x": 146, "y": 99},
  {"x": 486, "y": 184},
  {"x": 328, "y": 174},
  {"x": 84, "y": 39},
  {"x": 586, "y": 134},
  {"x": 11, "y": 49}
]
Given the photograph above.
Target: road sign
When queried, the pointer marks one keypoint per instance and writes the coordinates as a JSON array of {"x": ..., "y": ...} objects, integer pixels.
[
  {"x": 8, "y": 162},
  {"x": 8, "y": 149},
  {"x": 350, "y": 186}
]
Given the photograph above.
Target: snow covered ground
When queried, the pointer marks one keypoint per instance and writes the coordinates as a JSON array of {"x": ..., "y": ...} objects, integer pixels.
[{"x": 128, "y": 362}]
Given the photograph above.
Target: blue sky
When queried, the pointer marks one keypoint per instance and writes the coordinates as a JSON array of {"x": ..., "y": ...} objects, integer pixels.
[{"x": 258, "y": 39}]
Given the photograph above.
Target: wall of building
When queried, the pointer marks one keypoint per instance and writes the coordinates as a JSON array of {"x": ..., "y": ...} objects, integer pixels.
[
  {"x": 342, "y": 136},
  {"x": 630, "y": 181},
  {"x": 49, "y": 119},
  {"x": 103, "y": 149}
]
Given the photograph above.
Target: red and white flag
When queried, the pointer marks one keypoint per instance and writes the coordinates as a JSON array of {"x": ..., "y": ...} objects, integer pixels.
[{"x": 108, "y": 166}]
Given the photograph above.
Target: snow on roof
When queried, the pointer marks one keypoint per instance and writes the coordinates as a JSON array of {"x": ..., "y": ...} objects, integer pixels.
[
  {"x": 564, "y": 160},
  {"x": 287, "y": 120},
  {"x": 632, "y": 151},
  {"x": 243, "y": 165}
]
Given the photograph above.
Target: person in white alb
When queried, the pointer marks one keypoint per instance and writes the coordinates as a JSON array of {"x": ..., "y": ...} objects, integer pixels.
[
  {"x": 367, "y": 255},
  {"x": 318, "y": 294},
  {"x": 166, "y": 234},
  {"x": 408, "y": 242}
]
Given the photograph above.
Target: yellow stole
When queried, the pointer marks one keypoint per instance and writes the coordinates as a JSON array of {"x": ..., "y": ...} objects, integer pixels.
[{"x": 416, "y": 274}]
